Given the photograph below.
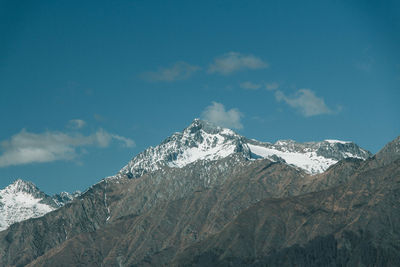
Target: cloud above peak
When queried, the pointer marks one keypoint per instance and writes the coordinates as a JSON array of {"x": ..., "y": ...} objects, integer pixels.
[
  {"x": 232, "y": 62},
  {"x": 175, "y": 72},
  {"x": 27, "y": 147},
  {"x": 305, "y": 101},
  {"x": 217, "y": 114}
]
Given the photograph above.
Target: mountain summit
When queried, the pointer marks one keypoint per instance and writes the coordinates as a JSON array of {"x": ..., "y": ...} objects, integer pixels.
[
  {"x": 390, "y": 152},
  {"x": 202, "y": 140},
  {"x": 23, "y": 200}
]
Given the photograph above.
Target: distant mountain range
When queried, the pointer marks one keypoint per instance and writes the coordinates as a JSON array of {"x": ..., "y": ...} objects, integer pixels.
[{"x": 210, "y": 197}]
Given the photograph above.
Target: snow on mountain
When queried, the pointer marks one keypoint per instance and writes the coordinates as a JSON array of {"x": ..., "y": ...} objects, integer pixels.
[
  {"x": 313, "y": 157},
  {"x": 204, "y": 141},
  {"x": 200, "y": 141},
  {"x": 22, "y": 200}
]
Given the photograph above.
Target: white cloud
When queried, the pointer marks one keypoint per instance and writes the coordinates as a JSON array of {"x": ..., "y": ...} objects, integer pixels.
[
  {"x": 272, "y": 86},
  {"x": 76, "y": 124},
  {"x": 217, "y": 114},
  {"x": 305, "y": 101},
  {"x": 233, "y": 61},
  {"x": 250, "y": 85},
  {"x": 126, "y": 141},
  {"x": 178, "y": 71},
  {"x": 26, "y": 147}
]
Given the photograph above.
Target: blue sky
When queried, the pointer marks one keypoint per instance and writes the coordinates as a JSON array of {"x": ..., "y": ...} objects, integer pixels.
[{"x": 86, "y": 85}]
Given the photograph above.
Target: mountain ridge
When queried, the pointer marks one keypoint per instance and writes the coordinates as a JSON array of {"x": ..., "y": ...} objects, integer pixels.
[
  {"x": 153, "y": 219},
  {"x": 203, "y": 140},
  {"x": 175, "y": 231}
]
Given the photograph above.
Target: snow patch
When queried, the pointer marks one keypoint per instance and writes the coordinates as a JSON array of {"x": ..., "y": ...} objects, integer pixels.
[
  {"x": 332, "y": 141},
  {"x": 17, "y": 205},
  {"x": 308, "y": 161}
]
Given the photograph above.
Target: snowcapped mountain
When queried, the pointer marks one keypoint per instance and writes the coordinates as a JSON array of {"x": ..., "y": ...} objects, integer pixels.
[
  {"x": 201, "y": 140},
  {"x": 204, "y": 141},
  {"x": 313, "y": 157},
  {"x": 22, "y": 200}
]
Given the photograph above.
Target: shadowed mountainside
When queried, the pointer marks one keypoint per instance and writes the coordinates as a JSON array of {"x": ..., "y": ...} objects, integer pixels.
[{"x": 354, "y": 224}]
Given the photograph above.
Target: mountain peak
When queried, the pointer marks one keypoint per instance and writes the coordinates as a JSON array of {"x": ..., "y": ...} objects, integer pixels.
[
  {"x": 201, "y": 140},
  {"x": 20, "y": 185},
  {"x": 390, "y": 152},
  {"x": 206, "y": 126},
  {"x": 22, "y": 200}
]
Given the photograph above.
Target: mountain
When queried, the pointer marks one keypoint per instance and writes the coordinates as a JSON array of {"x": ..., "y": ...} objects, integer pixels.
[
  {"x": 64, "y": 197},
  {"x": 196, "y": 186},
  {"x": 354, "y": 224},
  {"x": 22, "y": 200},
  {"x": 390, "y": 152},
  {"x": 204, "y": 141},
  {"x": 227, "y": 212},
  {"x": 200, "y": 141}
]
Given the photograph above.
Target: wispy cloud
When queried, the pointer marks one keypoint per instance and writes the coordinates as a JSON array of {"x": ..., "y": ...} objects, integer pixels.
[
  {"x": 272, "y": 86},
  {"x": 305, "y": 101},
  {"x": 250, "y": 85},
  {"x": 177, "y": 71},
  {"x": 76, "y": 124},
  {"x": 217, "y": 114},
  {"x": 125, "y": 141},
  {"x": 233, "y": 61},
  {"x": 26, "y": 147}
]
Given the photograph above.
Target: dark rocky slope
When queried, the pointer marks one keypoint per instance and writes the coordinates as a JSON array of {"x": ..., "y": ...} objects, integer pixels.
[
  {"x": 354, "y": 224},
  {"x": 159, "y": 235}
]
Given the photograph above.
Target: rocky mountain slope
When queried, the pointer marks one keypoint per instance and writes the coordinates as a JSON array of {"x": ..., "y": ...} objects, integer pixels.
[
  {"x": 354, "y": 224},
  {"x": 264, "y": 212},
  {"x": 185, "y": 198},
  {"x": 22, "y": 200}
]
